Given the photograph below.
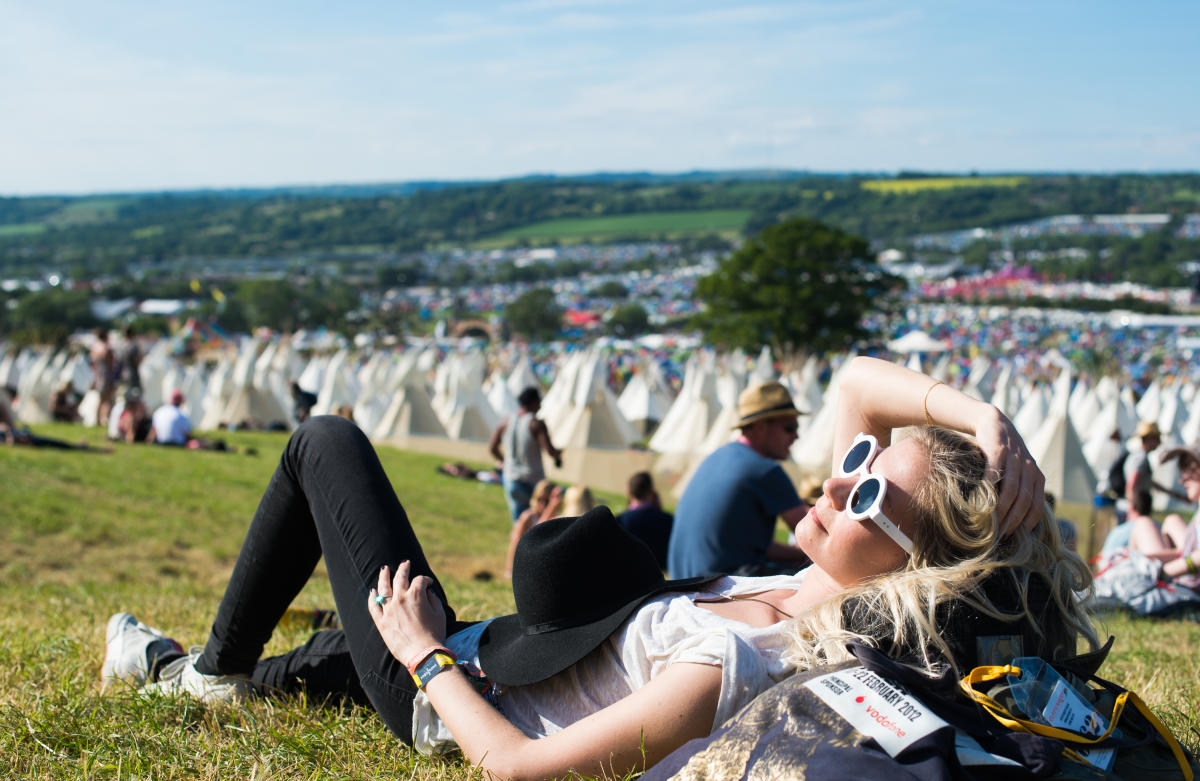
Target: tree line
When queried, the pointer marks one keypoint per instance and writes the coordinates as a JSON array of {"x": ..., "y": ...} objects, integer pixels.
[{"x": 36, "y": 233}]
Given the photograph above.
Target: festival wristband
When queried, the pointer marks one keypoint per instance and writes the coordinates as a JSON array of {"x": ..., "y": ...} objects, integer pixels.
[
  {"x": 435, "y": 663},
  {"x": 415, "y": 660}
]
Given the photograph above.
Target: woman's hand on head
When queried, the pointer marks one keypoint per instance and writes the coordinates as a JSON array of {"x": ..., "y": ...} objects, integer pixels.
[
  {"x": 412, "y": 619},
  {"x": 1020, "y": 484}
]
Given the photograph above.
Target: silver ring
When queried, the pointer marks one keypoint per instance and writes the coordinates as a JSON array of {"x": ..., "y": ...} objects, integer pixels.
[{"x": 381, "y": 599}]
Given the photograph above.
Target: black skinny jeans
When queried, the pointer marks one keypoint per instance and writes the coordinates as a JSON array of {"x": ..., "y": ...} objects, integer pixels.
[{"x": 329, "y": 496}]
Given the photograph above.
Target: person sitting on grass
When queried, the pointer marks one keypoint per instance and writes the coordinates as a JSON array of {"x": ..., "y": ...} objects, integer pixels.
[
  {"x": 606, "y": 666},
  {"x": 134, "y": 424},
  {"x": 64, "y": 404},
  {"x": 547, "y": 501},
  {"x": 544, "y": 504},
  {"x": 577, "y": 500},
  {"x": 1174, "y": 543},
  {"x": 1185, "y": 566},
  {"x": 645, "y": 518},
  {"x": 170, "y": 424},
  {"x": 1148, "y": 537}
]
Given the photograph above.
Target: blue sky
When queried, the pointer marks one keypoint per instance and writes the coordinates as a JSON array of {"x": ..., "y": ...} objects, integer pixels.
[{"x": 121, "y": 96}]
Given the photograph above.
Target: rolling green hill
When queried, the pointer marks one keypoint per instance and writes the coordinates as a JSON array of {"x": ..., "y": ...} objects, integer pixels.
[
  {"x": 725, "y": 222},
  {"x": 101, "y": 235}
]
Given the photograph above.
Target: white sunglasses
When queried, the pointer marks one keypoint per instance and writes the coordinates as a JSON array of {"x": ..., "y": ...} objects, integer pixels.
[{"x": 866, "y": 498}]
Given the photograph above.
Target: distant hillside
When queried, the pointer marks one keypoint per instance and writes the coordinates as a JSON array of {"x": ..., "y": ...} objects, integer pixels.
[{"x": 103, "y": 234}]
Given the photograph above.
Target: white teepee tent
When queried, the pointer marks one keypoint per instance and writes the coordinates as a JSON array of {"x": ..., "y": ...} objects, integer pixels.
[
  {"x": 1058, "y": 450},
  {"x": 694, "y": 410},
  {"x": 646, "y": 398},
  {"x": 594, "y": 420}
]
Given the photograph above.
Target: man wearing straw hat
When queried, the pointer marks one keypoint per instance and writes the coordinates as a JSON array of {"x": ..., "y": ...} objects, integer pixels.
[
  {"x": 1138, "y": 478},
  {"x": 725, "y": 521}
]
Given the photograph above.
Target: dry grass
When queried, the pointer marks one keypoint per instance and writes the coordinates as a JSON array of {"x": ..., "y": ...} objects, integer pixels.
[{"x": 156, "y": 532}]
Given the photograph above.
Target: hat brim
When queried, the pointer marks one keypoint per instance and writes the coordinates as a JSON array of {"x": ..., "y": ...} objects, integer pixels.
[
  {"x": 1184, "y": 454},
  {"x": 509, "y": 656},
  {"x": 768, "y": 415}
]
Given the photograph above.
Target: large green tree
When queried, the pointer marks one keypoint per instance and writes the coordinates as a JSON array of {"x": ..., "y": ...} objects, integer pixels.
[
  {"x": 628, "y": 320},
  {"x": 800, "y": 286},
  {"x": 534, "y": 315}
]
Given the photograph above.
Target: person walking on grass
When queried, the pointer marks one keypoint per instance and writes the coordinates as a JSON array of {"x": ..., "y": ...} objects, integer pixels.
[{"x": 517, "y": 445}]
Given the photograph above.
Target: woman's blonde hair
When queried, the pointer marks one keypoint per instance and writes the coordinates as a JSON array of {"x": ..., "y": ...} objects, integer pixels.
[
  {"x": 578, "y": 500},
  {"x": 541, "y": 491},
  {"x": 957, "y": 547}
]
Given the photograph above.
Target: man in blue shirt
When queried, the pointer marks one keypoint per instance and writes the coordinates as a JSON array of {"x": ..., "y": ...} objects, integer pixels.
[{"x": 725, "y": 521}]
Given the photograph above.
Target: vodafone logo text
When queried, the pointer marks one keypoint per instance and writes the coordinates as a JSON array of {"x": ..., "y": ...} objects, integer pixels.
[{"x": 885, "y": 722}]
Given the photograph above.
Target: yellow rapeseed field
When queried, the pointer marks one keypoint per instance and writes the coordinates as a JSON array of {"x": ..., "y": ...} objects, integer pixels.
[{"x": 910, "y": 186}]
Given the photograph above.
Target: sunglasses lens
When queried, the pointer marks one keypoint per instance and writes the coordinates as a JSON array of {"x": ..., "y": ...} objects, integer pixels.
[
  {"x": 864, "y": 496},
  {"x": 856, "y": 457}
]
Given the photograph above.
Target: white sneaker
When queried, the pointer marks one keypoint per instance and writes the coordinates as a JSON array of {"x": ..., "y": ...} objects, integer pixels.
[
  {"x": 181, "y": 678},
  {"x": 130, "y": 650}
]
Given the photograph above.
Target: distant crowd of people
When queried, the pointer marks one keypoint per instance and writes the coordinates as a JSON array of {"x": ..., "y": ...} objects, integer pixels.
[
  {"x": 726, "y": 519},
  {"x": 1128, "y": 487}
]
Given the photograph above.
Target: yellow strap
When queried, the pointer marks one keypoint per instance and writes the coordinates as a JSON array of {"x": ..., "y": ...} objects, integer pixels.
[
  {"x": 990, "y": 672},
  {"x": 1166, "y": 733},
  {"x": 1006, "y": 718},
  {"x": 1001, "y": 714}
]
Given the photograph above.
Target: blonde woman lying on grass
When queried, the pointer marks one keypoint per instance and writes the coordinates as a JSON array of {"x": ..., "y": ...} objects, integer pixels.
[{"x": 606, "y": 667}]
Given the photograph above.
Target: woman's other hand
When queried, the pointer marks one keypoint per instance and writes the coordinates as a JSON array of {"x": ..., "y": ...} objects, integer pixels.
[
  {"x": 411, "y": 619},
  {"x": 1020, "y": 484}
]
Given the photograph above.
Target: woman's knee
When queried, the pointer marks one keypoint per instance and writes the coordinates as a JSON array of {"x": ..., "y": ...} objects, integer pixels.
[
  {"x": 326, "y": 430},
  {"x": 1174, "y": 528}
]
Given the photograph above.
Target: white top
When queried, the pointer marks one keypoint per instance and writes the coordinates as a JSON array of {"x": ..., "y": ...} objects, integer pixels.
[
  {"x": 171, "y": 426},
  {"x": 666, "y": 629}
]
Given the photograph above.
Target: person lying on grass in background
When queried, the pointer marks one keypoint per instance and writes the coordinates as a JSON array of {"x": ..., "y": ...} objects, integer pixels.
[
  {"x": 21, "y": 435},
  {"x": 606, "y": 667}
]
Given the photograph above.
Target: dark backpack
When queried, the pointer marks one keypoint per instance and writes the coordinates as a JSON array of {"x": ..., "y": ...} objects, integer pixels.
[
  {"x": 880, "y": 718},
  {"x": 1116, "y": 474}
]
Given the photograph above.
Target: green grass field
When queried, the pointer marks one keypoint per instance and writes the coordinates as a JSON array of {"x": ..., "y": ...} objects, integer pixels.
[
  {"x": 669, "y": 224},
  {"x": 78, "y": 212},
  {"x": 88, "y": 210},
  {"x": 156, "y": 532},
  {"x": 24, "y": 229}
]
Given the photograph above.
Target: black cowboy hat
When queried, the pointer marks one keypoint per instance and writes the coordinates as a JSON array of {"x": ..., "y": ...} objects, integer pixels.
[{"x": 575, "y": 581}]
